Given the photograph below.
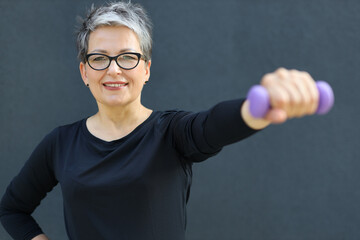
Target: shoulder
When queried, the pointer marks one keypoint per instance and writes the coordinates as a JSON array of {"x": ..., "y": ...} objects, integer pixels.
[
  {"x": 171, "y": 116},
  {"x": 67, "y": 130},
  {"x": 71, "y": 126},
  {"x": 171, "y": 113}
]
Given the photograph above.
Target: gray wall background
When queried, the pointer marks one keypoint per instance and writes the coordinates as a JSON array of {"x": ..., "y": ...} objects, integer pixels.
[{"x": 299, "y": 180}]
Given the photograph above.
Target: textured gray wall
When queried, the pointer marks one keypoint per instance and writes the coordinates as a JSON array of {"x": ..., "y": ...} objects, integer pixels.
[{"x": 294, "y": 181}]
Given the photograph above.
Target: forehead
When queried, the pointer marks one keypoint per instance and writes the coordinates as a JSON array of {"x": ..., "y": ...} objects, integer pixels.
[{"x": 113, "y": 39}]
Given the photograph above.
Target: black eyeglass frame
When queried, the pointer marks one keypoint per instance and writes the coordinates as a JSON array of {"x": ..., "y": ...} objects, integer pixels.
[{"x": 139, "y": 55}]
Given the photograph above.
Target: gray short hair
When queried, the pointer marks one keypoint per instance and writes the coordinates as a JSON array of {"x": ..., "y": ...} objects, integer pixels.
[{"x": 121, "y": 13}]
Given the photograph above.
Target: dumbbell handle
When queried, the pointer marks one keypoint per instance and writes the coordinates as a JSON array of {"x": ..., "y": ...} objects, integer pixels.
[{"x": 260, "y": 101}]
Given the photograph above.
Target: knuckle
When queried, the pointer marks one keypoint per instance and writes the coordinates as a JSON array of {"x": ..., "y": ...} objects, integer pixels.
[
  {"x": 304, "y": 74},
  {"x": 280, "y": 69},
  {"x": 282, "y": 73},
  {"x": 294, "y": 72},
  {"x": 267, "y": 79}
]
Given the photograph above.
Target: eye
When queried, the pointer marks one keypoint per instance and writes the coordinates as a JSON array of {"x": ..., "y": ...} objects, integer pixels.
[
  {"x": 129, "y": 57},
  {"x": 98, "y": 58}
]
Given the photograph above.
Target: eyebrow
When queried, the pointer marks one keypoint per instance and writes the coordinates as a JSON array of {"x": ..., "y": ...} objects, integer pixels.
[{"x": 121, "y": 51}]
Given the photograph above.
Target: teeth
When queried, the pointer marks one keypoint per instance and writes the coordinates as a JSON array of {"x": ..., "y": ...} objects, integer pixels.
[{"x": 115, "y": 85}]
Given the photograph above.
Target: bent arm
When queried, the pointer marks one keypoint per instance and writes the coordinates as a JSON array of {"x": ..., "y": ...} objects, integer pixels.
[
  {"x": 40, "y": 237},
  {"x": 26, "y": 191}
]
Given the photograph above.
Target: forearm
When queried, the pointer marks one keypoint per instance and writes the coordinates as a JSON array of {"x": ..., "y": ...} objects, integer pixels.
[
  {"x": 26, "y": 191},
  {"x": 226, "y": 125},
  {"x": 41, "y": 237},
  {"x": 19, "y": 225}
]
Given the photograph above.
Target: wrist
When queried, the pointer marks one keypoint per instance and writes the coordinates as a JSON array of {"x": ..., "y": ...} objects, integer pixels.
[{"x": 254, "y": 123}]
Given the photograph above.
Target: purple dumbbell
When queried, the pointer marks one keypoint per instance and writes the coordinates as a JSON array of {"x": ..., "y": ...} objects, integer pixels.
[{"x": 260, "y": 101}]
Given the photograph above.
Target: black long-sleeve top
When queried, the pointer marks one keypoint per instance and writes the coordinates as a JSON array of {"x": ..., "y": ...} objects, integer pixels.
[{"x": 132, "y": 188}]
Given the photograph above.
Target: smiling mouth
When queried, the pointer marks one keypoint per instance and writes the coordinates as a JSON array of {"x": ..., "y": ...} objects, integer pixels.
[{"x": 115, "y": 85}]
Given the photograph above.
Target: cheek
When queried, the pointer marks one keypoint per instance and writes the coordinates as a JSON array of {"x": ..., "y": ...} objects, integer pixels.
[
  {"x": 138, "y": 77},
  {"x": 95, "y": 76}
]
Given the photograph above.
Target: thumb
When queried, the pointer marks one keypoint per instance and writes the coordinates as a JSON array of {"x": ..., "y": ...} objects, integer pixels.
[{"x": 276, "y": 116}]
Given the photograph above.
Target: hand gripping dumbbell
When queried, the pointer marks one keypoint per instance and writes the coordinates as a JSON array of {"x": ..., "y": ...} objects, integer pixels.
[{"x": 259, "y": 99}]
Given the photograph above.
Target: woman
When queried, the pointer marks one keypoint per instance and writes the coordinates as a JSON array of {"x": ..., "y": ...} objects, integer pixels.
[{"x": 125, "y": 172}]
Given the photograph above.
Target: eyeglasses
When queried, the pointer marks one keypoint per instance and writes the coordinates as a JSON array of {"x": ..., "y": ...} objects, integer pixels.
[{"x": 127, "y": 60}]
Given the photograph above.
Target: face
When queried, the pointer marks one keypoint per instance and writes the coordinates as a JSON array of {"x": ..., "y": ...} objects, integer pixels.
[{"x": 115, "y": 86}]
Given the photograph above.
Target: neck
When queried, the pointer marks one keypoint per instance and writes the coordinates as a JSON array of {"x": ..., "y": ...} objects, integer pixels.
[
  {"x": 119, "y": 116},
  {"x": 111, "y": 123}
]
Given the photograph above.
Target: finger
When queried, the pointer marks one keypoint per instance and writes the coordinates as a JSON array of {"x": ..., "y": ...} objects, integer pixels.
[
  {"x": 282, "y": 73},
  {"x": 276, "y": 116},
  {"x": 302, "y": 103},
  {"x": 267, "y": 79},
  {"x": 293, "y": 98},
  {"x": 278, "y": 96},
  {"x": 312, "y": 91}
]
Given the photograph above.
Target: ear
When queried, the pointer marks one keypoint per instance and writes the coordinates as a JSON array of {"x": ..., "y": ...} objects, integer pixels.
[
  {"x": 83, "y": 73},
  {"x": 147, "y": 70}
]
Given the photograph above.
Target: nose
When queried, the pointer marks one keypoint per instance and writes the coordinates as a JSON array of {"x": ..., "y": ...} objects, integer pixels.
[{"x": 114, "y": 68}]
